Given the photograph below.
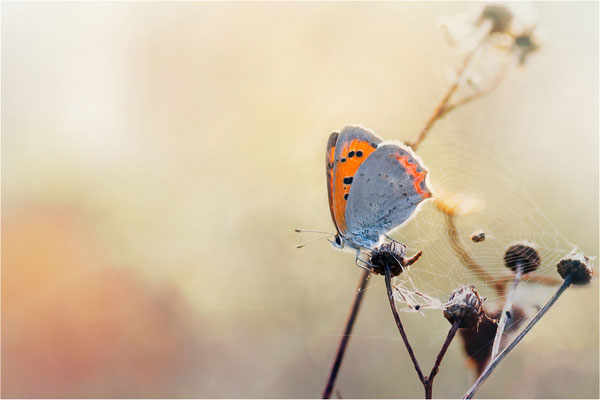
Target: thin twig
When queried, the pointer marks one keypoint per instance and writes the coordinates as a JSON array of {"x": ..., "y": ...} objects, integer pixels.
[
  {"x": 490, "y": 368},
  {"x": 514, "y": 59},
  {"x": 411, "y": 353},
  {"x": 440, "y": 110},
  {"x": 429, "y": 380},
  {"x": 504, "y": 315},
  {"x": 362, "y": 284}
]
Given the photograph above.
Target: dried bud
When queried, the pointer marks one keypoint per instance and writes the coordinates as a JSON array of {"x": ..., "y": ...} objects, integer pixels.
[
  {"x": 522, "y": 254},
  {"x": 464, "y": 304},
  {"x": 578, "y": 266},
  {"x": 500, "y": 16},
  {"x": 390, "y": 255},
  {"x": 477, "y": 236}
]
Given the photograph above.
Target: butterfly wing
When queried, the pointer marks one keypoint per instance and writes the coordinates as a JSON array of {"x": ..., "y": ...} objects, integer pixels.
[
  {"x": 387, "y": 189},
  {"x": 346, "y": 152}
]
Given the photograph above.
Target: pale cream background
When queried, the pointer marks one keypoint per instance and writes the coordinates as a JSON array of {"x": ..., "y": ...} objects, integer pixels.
[{"x": 156, "y": 157}]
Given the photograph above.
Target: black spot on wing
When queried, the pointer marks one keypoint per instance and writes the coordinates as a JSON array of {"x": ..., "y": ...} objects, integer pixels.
[
  {"x": 348, "y": 180},
  {"x": 359, "y": 153},
  {"x": 351, "y": 154},
  {"x": 346, "y": 196}
]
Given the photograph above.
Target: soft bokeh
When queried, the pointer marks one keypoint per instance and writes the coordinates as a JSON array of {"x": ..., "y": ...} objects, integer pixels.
[{"x": 157, "y": 156}]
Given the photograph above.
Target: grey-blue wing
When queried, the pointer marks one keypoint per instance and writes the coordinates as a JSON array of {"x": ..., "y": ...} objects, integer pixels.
[{"x": 386, "y": 191}]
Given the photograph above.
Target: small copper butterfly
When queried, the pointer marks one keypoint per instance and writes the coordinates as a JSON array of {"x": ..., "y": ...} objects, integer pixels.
[{"x": 373, "y": 186}]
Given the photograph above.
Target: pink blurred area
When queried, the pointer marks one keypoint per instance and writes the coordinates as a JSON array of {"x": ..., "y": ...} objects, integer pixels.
[{"x": 72, "y": 322}]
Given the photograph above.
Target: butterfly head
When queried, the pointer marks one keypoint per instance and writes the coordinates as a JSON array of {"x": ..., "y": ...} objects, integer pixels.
[{"x": 338, "y": 241}]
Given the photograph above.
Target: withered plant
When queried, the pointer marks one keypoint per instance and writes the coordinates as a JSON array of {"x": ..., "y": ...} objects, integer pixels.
[{"x": 512, "y": 30}]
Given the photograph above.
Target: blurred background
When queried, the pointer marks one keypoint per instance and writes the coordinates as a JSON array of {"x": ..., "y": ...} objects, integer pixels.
[{"x": 157, "y": 156}]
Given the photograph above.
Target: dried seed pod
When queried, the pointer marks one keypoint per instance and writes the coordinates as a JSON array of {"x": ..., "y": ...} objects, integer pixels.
[
  {"x": 464, "y": 304},
  {"x": 578, "y": 266},
  {"x": 390, "y": 255},
  {"x": 522, "y": 254},
  {"x": 500, "y": 16}
]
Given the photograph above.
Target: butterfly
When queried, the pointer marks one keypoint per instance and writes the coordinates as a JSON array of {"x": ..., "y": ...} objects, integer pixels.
[{"x": 373, "y": 186}]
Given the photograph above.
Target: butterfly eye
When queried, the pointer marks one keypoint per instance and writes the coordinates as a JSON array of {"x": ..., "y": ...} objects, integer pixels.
[{"x": 338, "y": 240}]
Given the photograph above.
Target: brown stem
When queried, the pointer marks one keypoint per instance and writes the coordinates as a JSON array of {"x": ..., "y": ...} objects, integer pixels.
[
  {"x": 440, "y": 110},
  {"x": 429, "y": 380},
  {"x": 541, "y": 279},
  {"x": 362, "y": 285},
  {"x": 514, "y": 59},
  {"x": 411, "y": 353}
]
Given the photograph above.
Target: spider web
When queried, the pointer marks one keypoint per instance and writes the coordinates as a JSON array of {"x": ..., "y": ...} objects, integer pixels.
[
  {"x": 490, "y": 179},
  {"x": 478, "y": 174}
]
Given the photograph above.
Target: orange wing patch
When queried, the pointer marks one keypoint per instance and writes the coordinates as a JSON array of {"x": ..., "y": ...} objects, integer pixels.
[
  {"x": 419, "y": 177},
  {"x": 352, "y": 155}
]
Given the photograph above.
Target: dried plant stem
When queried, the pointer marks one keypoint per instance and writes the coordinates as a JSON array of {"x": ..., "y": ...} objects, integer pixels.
[
  {"x": 411, "y": 353},
  {"x": 362, "y": 285},
  {"x": 441, "y": 109},
  {"x": 429, "y": 380},
  {"x": 513, "y": 60},
  {"x": 491, "y": 366},
  {"x": 504, "y": 315},
  {"x": 532, "y": 277}
]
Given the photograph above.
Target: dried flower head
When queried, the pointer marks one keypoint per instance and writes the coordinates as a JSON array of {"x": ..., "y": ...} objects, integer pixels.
[
  {"x": 500, "y": 15},
  {"x": 523, "y": 255},
  {"x": 512, "y": 26},
  {"x": 466, "y": 305},
  {"x": 577, "y": 265},
  {"x": 390, "y": 255}
]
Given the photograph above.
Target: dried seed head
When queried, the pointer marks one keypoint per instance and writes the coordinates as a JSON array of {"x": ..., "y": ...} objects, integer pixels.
[
  {"x": 527, "y": 43},
  {"x": 390, "y": 255},
  {"x": 500, "y": 16},
  {"x": 578, "y": 266},
  {"x": 464, "y": 304},
  {"x": 522, "y": 254}
]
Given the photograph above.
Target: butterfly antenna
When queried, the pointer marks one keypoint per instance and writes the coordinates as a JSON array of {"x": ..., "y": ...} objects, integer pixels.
[
  {"x": 312, "y": 231},
  {"x": 310, "y": 241}
]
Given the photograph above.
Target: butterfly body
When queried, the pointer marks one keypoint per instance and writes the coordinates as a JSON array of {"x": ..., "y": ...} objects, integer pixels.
[{"x": 373, "y": 186}]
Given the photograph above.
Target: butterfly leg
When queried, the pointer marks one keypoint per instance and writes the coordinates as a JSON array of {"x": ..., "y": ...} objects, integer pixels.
[
  {"x": 367, "y": 265},
  {"x": 395, "y": 242}
]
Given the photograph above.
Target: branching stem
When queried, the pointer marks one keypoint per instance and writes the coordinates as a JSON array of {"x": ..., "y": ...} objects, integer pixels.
[
  {"x": 441, "y": 109},
  {"x": 429, "y": 380}
]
